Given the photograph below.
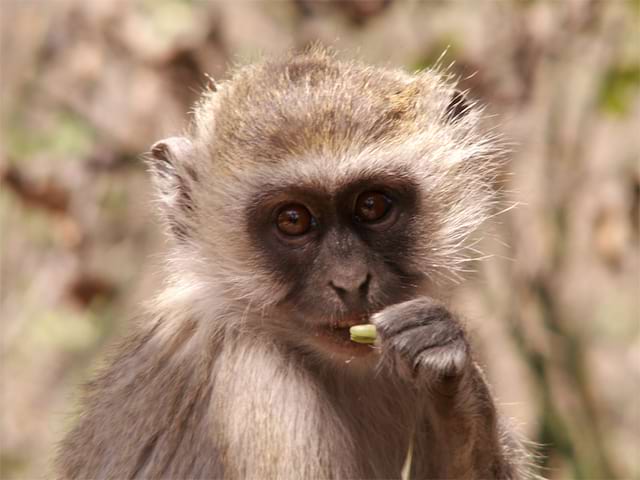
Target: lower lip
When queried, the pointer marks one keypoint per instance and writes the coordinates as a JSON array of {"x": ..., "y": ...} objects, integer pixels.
[{"x": 338, "y": 341}]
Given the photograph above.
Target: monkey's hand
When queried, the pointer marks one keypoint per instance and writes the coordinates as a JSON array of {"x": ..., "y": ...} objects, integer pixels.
[{"x": 423, "y": 342}]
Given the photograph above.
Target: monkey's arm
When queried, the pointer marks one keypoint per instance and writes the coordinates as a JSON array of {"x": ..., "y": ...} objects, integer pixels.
[
  {"x": 459, "y": 431},
  {"x": 471, "y": 443}
]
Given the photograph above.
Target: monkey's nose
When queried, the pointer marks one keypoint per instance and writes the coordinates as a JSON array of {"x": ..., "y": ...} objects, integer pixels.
[{"x": 350, "y": 288}]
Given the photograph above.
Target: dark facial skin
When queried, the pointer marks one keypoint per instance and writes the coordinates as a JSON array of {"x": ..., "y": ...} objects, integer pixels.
[{"x": 343, "y": 256}]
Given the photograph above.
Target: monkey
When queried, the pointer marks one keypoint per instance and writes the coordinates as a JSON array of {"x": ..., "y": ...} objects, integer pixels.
[{"x": 309, "y": 194}]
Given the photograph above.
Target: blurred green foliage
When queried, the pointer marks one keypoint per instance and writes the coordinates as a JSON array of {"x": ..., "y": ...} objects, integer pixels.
[
  {"x": 64, "y": 134},
  {"x": 620, "y": 87}
]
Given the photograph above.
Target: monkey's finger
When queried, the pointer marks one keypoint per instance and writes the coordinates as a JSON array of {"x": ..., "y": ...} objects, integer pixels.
[{"x": 411, "y": 314}]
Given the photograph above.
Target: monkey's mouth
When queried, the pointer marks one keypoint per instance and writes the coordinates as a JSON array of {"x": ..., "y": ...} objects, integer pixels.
[{"x": 335, "y": 336}]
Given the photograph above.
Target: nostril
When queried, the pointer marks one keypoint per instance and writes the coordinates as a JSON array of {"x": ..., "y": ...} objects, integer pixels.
[{"x": 339, "y": 290}]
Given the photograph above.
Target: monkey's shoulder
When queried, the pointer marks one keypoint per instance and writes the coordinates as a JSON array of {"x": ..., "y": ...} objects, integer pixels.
[{"x": 143, "y": 414}]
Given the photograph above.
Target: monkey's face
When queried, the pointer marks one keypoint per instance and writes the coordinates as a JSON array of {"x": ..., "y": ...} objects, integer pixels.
[
  {"x": 313, "y": 192},
  {"x": 341, "y": 250}
]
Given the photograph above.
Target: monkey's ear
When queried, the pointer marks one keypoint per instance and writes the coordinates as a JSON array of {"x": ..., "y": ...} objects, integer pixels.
[
  {"x": 458, "y": 107},
  {"x": 170, "y": 161}
]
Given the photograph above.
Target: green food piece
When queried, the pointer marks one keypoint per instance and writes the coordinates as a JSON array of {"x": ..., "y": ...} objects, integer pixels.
[{"x": 363, "y": 333}]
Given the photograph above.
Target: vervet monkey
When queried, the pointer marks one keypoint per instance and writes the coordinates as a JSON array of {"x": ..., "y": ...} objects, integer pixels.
[{"x": 310, "y": 195}]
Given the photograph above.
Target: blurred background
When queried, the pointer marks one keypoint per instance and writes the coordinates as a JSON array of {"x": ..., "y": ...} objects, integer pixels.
[{"x": 86, "y": 87}]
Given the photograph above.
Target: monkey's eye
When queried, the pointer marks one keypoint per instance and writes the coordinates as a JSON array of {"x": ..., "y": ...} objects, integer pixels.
[
  {"x": 294, "y": 220},
  {"x": 372, "y": 206}
]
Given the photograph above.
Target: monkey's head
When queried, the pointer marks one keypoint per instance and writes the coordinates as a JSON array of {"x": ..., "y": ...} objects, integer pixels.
[{"x": 311, "y": 192}]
